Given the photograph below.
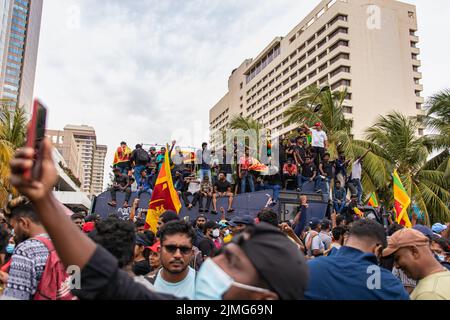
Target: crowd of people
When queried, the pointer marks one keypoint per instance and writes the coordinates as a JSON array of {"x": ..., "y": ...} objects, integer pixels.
[
  {"x": 253, "y": 258},
  {"x": 200, "y": 178}
]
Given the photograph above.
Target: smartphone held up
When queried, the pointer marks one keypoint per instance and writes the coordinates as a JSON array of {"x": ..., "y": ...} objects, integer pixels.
[{"x": 35, "y": 135}]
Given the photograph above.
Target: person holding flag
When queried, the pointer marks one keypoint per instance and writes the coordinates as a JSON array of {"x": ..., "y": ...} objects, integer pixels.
[
  {"x": 401, "y": 202},
  {"x": 164, "y": 197},
  {"x": 122, "y": 158}
]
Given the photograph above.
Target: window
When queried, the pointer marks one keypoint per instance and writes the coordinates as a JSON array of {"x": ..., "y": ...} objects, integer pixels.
[
  {"x": 418, "y": 106},
  {"x": 323, "y": 79},
  {"x": 323, "y": 67},
  {"x": 412, "y": 32},
  {"x": 321, "y": 31},
  {"x": 338, "y": 31},
  {"x": 342, "y": 55},
  {"x": 416, "y": 80},
  {"x": 411, "y": 14},
  {"x": 343, "y": 82},
  {"x": 346, "y": 109},
  {"x": 312, "y": 74},
  {"x": 415, "y": 68},
  {"x": 339, "y": 17},
  {"x": 417, "y": 93},
  {"x": 413, "y": 44},
  {"x": 420, "y": 132},
  {"x": 339, "y": 70},
  {"x": 310, "y": 52},
  {"x": 311, "y": 39},
  {"x": 414, "y": 56}
]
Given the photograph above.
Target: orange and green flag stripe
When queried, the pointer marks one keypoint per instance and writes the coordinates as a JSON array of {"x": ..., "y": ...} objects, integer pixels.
[
  {"x": 373, "y": 200},
  {"x": 401, "y": 202}
]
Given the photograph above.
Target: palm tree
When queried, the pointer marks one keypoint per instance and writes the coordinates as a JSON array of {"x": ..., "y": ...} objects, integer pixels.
[
  {"x": 324, "y": 106},
  {"x": 247, "y": 124},
  {"x": 437, "y": 119},
  {"x": 393, "y": 139},
  {"x": 12, "y": 136}
]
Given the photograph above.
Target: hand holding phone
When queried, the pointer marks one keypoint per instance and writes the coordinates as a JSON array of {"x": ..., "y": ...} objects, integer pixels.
[{"x": 35, "y": 135}]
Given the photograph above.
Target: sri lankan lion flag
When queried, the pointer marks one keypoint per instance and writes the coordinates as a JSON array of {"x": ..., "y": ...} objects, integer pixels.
[
  {"x": 164, "y": 196},
  {"x": 401, "y": 202},
  {"x": 122, "y": 155}
]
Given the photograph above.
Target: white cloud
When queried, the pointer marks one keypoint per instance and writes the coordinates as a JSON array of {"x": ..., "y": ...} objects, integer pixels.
[{"x": 140, "y": 70}]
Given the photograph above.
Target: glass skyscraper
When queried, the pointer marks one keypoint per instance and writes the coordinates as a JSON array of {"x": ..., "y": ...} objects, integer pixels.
[{"x": 20, "y": 22}]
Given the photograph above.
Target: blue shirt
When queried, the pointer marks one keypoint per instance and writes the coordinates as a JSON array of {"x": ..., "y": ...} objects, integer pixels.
[
  {"x": 183, "y": 289},
  {"x": 349, "y": 275}
]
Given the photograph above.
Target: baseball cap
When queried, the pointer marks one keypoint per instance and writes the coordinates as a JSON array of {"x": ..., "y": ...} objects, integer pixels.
[
  {"x": 88, "y": 227},
  {"x": 314, "y": 223},
  {"x": 247, "y": 220},
  {"x": 405, "y": 238},
  {"x": 223, "y": 224},
  {"x": 438, "y": 227},
  {"x": 155, "y": 248},
  {"x": 318, "y": 124},
  {"x": 424, "y": 229}
]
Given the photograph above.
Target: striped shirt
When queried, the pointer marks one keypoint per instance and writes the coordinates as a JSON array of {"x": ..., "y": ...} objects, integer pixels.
[{"x": 27, "y": 266}]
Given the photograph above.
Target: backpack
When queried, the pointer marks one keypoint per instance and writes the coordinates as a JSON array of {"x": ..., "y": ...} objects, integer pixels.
[
  {"x": 55, "y": 282},
  {"x": 142, "y": 155}
]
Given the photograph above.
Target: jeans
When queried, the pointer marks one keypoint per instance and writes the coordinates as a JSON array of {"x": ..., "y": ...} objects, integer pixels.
[
  {"x": 195, "y": 198},
  {"x": 276, "y": 190},
  {"x": 358, "y": 186},
  {"x": 205, "y": 172},
  {"x": 146, "y": 190},
  {"x": 247, "y": 176},
  {"x": 324, "y": 182},
  {"x": 137, "y": 173},
  {"x": 339, "y": 207},
  {"x": 208, "y": 201},
  {"x": 301, "y": 181},
  {"x": 123, "y": 168}
]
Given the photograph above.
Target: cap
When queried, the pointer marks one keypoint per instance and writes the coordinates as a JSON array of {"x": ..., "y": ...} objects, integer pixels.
[
  {"x": 155, "y": 248},
  {"x": 247, "y": 220},
  {"x": 424, "y": 229},
  {"x": 438, "y": 227},
  {"x": 314, "y": 223},
  {"x": 88, "y": 227},
  {"x": 268, "y": 249},
  {"x": 405, "y": 238},
  {"x": 318, "y": 124},
  {"x": 223, "y": 224}
]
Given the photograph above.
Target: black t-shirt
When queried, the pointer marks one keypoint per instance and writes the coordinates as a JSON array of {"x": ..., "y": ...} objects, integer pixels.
[
  {"x": 273, "y": 179},
  {"x": 101, "y": 279},
  {"x": 141, "y": 268},
  {"x": 327, "y": 168},
  {"x": 301, "y": 151},
  {"x": 225, "y": 167},
  {"x": 121, "y": 180},
  {"x": 308, "y": 170},
  {"x": 222, "y": 186},
  {"x": 207, "y": 247}
]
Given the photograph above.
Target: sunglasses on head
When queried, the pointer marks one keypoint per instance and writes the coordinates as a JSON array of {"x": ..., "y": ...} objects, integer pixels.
[{"x": 173, "y": 249}]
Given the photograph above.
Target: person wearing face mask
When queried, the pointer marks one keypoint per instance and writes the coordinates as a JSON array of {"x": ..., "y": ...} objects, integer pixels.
[
  {"x": 244, "y": 270},
  {"x": 361, "y": 277},
  {"x": 207, "y": 245}
]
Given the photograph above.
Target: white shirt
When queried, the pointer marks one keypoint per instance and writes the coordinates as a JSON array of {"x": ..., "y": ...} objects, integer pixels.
[
  {"x": 194, "y": 186},
  {"x": 356, "y": 170},
  {"x": 318, "y": 138}
]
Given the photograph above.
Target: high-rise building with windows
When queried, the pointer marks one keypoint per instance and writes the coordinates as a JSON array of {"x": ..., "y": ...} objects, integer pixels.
[
  {"x": 84, "y": 157},
  {"x": 20, "y": 22},
  {"x": 370, "y": 48}
]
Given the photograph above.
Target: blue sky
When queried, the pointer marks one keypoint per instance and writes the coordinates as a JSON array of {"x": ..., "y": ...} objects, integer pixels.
[{"x": 149, "y": 70}]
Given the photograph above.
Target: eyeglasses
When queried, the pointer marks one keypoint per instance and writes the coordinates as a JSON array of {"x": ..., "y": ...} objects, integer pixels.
[{"x": 173, "y": 249}]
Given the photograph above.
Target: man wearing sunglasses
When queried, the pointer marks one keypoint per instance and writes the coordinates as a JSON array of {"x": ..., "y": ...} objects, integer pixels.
[{"x": 176, "y": 277}]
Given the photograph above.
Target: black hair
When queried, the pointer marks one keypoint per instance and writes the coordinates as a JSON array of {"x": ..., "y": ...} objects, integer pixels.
[
  {"x": 200, "y": 216},
  {"x": 442, "y": 242},
  {"x": 327, "y": 154},
  {"x": 339, "y": 219},
  {"x": 369, "y": 229},
  {"x": 176, "y": 227},
  {"x": 393, "y": 228},
  {"x": 4, "y": 238},
  {"x": 209, "y": 225},
  {"x": 269, "y": 216},
  {"x": 325, "y": 224},
  {"x": 118, "y": 237},
  {"x": 138, "y": 146},
  {"x": 139, "y": 223},
  {"x": 92, "y": 217},
  {"x": 169, "y": 216},
  {"x": 123, "y": 142},
  {"x": 148, "y": 237},
  {"x": 76, "y": 216},
  {"x": 21, "y": 208},
  {"x": 338, "y": 232},
  {"x": 113, "y": 215}
]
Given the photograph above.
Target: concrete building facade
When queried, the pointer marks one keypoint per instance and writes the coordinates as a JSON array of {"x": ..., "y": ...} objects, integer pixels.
[
  {"x": 20, "y": 22},
  {"x": 369, "y": 48},
  {"x": 86, "y": 159}
]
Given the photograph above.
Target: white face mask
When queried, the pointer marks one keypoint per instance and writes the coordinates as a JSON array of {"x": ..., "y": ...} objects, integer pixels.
[
  {"x": 227, "y": 232},
  {"x": 216, "y": 233}
]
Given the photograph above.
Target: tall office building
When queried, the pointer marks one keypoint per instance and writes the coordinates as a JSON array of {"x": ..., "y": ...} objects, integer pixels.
[
  {"x": 370, "y": 48},
  {"x": 20, "y": 22},
  {"x": 78, "y": 145}
]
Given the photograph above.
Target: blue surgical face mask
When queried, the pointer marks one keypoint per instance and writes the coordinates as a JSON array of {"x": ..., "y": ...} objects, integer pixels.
[
  {"x": 441, "y": 257},
  {"x": 10, "y": 248},
  {"x": 212, "y": 282}
]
